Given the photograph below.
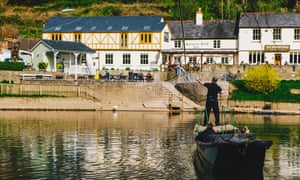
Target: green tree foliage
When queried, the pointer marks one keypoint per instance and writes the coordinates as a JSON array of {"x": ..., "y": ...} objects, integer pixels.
[
  {"x": 111, "y": 11},
  {"x": 170, "y": 9},
  {"x": 261, "y": 79}
]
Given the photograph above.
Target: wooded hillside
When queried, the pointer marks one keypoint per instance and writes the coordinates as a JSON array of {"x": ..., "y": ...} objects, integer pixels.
[{"x": 28, "y": 16}]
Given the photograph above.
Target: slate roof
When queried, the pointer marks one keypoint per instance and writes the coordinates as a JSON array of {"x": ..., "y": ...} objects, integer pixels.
[
  {"x": 269, "y": 20},
  {"x": 105, "y": 24},
  {"x": 208, "y": 30},
  {"x": 65, "y": 46}
]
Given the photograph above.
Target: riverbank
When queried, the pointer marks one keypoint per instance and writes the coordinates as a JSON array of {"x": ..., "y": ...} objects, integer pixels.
[{"x": 82, "y": 104}]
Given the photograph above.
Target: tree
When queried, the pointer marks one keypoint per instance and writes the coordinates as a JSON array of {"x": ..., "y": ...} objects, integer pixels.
[{"x": 261, "y": 79}]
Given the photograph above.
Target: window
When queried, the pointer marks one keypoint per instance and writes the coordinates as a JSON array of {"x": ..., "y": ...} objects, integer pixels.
[
  {"x": 109, "y": 59},
  {"x": 56, "y": 36},
  {"x": 144, "y": 59},
  {"x": 83, "y": 59},
  {"x": 256, "y": 34},
  {"x": 145, "y": 38},
  {"x": 193, "y": 59},
  {"x": 297, "y": 34},
  {"x": 177, "y": 44},
  {"x": 295, "y": 58},
  {"x": 224, "y": 60},
  {"x": 209, "y": 60},
  {"x": 77, "y": 37},
  {"x": 256, "y": 57},
  {"x": 276, "y": 34},
  {"x": 216, "y": 43},
  {"x": 126, "y": 58},
  {"x": 124, "y": 40},
  {"x": 166, "y": 36}
]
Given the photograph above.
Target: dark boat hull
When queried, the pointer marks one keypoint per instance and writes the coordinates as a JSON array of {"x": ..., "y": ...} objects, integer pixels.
[{"x": 238, "y": 156}]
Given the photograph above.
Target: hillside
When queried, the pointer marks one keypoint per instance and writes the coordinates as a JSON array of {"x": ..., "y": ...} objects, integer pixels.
[
  {"x": 29, "y": 16},
  {"x": 30, "y": 20}
]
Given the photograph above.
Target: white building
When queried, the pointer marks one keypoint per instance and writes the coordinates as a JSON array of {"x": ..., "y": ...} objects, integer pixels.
[
  {"x": 202, "y": 42},
  {"x": 120, "y": 42},
  {"x": 269, "y": 38}
]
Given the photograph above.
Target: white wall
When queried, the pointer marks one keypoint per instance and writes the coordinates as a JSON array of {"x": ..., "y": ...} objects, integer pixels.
[{"x": 153, "y": 56}]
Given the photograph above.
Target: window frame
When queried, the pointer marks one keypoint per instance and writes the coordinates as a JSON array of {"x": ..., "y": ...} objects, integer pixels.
[
  {"x": 124, "y": 40},
  {"x": 256, "y": 34},
  {"x": 177, "y": 44},
  {"x": 276, "y": 34},
  {"x": 144, "y": 58},
  {"x": 109, "y": 58},
  {"x": 217, "y": 44},
  {"x": 297, "y": 34},
  {"x": 256, "y": 57},
  {"x": 126, "y": 59}
]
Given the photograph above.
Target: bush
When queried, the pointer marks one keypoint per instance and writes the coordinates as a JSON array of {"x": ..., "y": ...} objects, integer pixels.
[
  {"x": 5, "y": 81},
  {"x": 12, "y": 66},
  {"x": 111, "y": 11},
  {"x": 43, "y": 65},
  {"x": 261, "y": 79},
  {"x": 281, "y": 94}
]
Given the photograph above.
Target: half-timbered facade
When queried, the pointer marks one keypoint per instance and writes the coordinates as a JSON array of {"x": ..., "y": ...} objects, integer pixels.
[{"x": 120, "y": 42}]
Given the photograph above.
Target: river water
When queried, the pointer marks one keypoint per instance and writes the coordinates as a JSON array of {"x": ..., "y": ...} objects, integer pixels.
[{"x": 127, "y": 145}]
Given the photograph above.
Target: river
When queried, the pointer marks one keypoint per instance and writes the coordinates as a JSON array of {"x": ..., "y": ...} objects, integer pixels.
[{"x": 127, "y": 145}]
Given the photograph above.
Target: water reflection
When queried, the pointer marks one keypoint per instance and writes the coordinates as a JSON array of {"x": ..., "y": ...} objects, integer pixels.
[
  {"x": 205, "y": 174},
  {"x": 75, "y": 145},
  {"x": 126, "y": 145}
]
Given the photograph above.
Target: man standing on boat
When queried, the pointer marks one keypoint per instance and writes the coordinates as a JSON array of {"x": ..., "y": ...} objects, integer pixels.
[{"x": 212, "y": 100}]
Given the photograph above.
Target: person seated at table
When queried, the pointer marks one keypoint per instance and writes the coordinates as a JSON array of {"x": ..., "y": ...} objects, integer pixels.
[{"x": 149, "y": 76}]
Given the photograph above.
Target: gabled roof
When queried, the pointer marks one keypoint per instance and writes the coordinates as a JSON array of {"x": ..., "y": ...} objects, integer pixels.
[
  {"x": 68, "y": 46},
  {"x": 105, "y": 24},
  {"x": 208, "y": 30},
  {"x": 269, "y": 20}
]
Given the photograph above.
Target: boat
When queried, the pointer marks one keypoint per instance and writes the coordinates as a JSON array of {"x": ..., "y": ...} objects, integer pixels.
[
  {"x": 67, "y": 10},
  {"x": 226, "y": 148}
]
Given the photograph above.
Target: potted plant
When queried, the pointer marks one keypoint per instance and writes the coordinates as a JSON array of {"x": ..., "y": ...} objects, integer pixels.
[{"x": 43, "y": 66}]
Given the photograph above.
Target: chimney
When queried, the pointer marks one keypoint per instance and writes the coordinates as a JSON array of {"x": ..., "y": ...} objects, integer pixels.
[{"x": 199, "y": 17}]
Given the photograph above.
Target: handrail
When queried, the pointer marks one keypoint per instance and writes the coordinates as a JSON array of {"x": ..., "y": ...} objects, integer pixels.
[{"x": 223, "y": 117}]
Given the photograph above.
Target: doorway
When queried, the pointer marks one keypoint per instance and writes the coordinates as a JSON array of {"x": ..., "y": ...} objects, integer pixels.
[{"x": 277, "y": 59}]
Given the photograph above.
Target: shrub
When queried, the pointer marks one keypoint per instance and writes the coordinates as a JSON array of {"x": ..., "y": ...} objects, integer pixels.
[
  {"x": 261, "y": 79},
  {"x": 12, "y": 66},
  {"x": 281, "y": 94},
  {"x": 59, "y": 66},
  {"x": 43, "y": 65},
  {"x": 5, "y": 81},
  {"x": 111, "y": 11}
]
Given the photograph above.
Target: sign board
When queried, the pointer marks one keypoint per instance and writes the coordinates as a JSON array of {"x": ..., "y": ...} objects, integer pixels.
[{"x": 277, "y": 48}]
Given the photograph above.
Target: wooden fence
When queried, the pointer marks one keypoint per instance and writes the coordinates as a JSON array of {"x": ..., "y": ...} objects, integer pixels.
[{"x": 54, "y": 90}]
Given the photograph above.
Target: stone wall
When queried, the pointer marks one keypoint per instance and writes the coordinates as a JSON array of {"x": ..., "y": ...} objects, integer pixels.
[{"x": 206, "y": 73}]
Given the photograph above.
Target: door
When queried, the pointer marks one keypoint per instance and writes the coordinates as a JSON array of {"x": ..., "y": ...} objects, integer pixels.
[{"x": 277, "y": 59}]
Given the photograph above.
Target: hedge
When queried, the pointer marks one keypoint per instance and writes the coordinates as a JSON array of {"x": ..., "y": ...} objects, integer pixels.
[{"x": 12, "y": 66}]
